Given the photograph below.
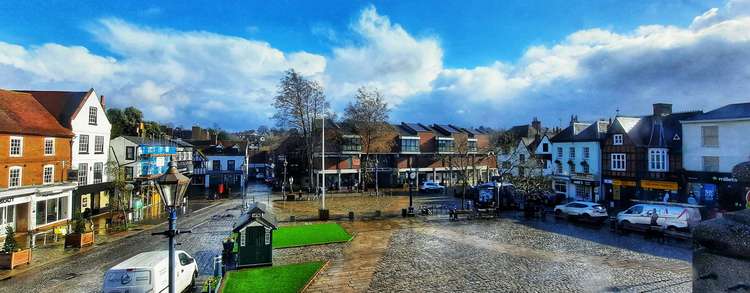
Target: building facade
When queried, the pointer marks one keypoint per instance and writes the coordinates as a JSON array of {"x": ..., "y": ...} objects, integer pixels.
[
  {"x": 642, "y": 158},
  {"x": 713, "y": 145},
  {"x": 35, "y": 154},
  {"x": 84, "y": 114},
  {"x": 576, "y": 160}
]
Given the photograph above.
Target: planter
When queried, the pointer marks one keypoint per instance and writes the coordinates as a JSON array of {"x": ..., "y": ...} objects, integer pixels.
[
  {"x": 14, "y": 259},
  {"x": 79, "y": 240}
]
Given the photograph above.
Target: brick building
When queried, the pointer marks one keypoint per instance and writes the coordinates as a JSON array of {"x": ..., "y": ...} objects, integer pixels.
[{"x": 35, "y": 160}]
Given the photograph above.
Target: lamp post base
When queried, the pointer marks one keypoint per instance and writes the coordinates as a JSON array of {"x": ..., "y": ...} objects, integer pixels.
[{"x": 323, "y": 214}]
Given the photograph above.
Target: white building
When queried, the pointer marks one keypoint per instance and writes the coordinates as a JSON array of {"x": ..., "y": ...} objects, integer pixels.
[
  {"x": 84, "y": 114},
  {"x": 576, "y": 157},
  {"x": 225, "y": 164},
  {"x": 713, "y": 143},
  {"x": 543, "y": 153}
]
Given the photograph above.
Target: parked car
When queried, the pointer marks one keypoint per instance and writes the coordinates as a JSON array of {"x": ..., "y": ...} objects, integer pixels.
[
  {"x": 582, "y": 210},
  {"x": 671, "y": 217},
  {"x": 430, "y": 186},
  {"x": 149, "y": 272}
]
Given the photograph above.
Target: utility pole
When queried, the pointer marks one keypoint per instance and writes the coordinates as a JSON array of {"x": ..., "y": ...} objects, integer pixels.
[
  {"x": 376, "y": 175},
  {"x": 323, "y": 212}
]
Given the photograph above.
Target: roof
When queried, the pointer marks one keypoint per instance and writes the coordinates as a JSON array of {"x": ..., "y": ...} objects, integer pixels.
[
  {"x": 147, "y": 141},
  {"x": 246, "y": 219},
  {"x": 61, "y": 104},
  {"x": 20, "y": 113},
  {"x": 181, "y": 143},
  {"x": 731, "y": 111},
  {"x": 582, "y": 131},
  {"x": 225, "y": 148},
  {"x": 144, "y": 260},
  {"x": 653, "y": 131},
  {"x": 417, "y": 127}
]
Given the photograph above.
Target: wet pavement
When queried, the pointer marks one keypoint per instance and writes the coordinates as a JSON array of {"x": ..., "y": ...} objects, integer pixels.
[{"x": 422, "y": 254}]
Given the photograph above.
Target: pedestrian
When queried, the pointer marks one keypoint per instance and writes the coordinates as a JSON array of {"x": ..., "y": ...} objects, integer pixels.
[
  {"x": 654, "y": 218},
  {"x": 691, "y": 199},
  {"x": 666, "y": 197}
]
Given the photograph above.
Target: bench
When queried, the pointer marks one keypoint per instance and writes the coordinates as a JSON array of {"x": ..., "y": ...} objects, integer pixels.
[{"x": 453, "y": 214}]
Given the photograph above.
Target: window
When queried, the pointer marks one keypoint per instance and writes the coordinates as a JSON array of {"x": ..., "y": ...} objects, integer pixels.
[
  {"x": 472, "y": 145},
  {"x": 130, "y": 153},
  {"x": 572, "y": 168},
  {"x": 128, "y": 173},
  {"x": 185, "y": 259},
  {"x": 49, "y": 146},
  {"x": 522, "y": 158},
  {"x": 99, "y": 144},
  {"x": 230, "y": 165},
  {"x": 14, "y": 177},
  {"x": 545, "y": 147},
  {"x": 51, "y": 210},
  {"x": 559, "y": 153},
  {"x": 582, "y": 192},
  {"x": 216, "y": 165},
  {"x": 83, "y": 173},
  {"x": 617, "y": 162},
  {"x": 559, "y": 168},
  {"x": 572, "y": 153},
  {"x": 658, "y": 161},
  {"x": 710, "y": 164},
  {"x": 98, "y": 172},
  {"x": 506, "y": 165},
  {"x": 48, "y": 175},
  {"x": 92, "y": 115},
  {"x": 445, "y": 145},
  {"x": 16, "y": 146},
  {"x": 83, "y": 144},
  {"x": 560, "y": 186},
  {"x": 586, "y": 153},
  {"x": 410, "y": 145},
  {"x": 710, "y": 136},
  {"x": 617, "y": 139},
  {"x": 352, "y": 144},
  {"x": 8, "y": 216},
  {"x": 586, "y": 169}
]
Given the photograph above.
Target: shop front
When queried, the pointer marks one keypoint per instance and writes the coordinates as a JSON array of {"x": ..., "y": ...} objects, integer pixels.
[
  {"x": 619, "y": 192},
  {"x": 14, "y": 211},
  {"x": 94, "y": 197},
  {"x": 585, "y": 189},
  {"x": 718, "y": 190},
  {"x": 652, "y": 190}
]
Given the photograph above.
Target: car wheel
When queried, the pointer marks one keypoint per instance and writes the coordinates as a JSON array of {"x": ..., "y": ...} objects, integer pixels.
[
  {"x": 672, "y": 229},
  {"x": 586, "y": 217}
]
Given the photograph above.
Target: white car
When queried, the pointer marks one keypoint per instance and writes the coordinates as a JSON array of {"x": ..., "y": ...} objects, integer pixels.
[
  {"x": 671, "y": 217},
  {"x": 149, "y": 272},
  {"x": 583, "y": 210},
  {"x": 430, "y": 186}
]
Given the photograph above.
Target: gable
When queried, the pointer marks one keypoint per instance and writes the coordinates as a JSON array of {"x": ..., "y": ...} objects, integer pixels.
[{"x": 80, "y": 119}]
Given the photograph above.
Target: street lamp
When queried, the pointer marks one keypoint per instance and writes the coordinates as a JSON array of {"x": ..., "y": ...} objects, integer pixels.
[
  {"x": 283, "y": 183},
  {"x": 172, "y": 186}
]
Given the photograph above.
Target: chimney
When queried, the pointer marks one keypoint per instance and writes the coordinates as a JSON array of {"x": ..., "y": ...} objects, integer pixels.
[
  {"x": 662, "y": 109},
  {"x": 536, "y": 124},
  {"x": 101, "y": 100}
]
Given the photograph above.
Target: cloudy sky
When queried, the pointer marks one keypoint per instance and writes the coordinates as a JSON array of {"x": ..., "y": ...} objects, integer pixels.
[{"x": 491, "y": 63}]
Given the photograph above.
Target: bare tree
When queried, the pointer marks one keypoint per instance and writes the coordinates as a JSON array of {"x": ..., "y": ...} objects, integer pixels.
[
  {"x": 298, "y": 103},
  {"x": 368, "y": 115}
]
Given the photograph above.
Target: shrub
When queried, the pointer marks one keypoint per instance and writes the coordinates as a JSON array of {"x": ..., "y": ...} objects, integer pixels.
[{"x": 10, "y": 244}]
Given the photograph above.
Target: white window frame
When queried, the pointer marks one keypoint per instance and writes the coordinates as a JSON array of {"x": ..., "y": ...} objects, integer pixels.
[
  {"x": 560, "y": 153},
  {"x": 658, "y": 160},
  {"x": 586, "y": 153},
  {"x": 51, "y": 141},
  {"x": 718, "y": 163},
  {"x": 83, "y": 168},
  {"x": 20, "y": 146},
  {"x": 93, "y": 115},
  {"x": 617, "y": 139},
  {"x": 101, "y": 172},
  {"x": 20, "y": 176},
  {"x": 618, "y": 162},
  {"x": 572, "y": 153},
  {"x": 98, "y": 145},
  {"x": 703, "y": 136},
  {"x": 51, "y": 169},
  {"x": 81, "y": 144}
]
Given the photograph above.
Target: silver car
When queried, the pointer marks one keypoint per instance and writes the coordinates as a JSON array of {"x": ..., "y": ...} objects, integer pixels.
[{"x": 582, "y": 210}]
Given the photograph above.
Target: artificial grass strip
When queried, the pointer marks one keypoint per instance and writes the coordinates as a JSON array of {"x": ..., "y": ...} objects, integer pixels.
[
  {"x": 286, "y": 278},
  {"x": 313, "y": 234}
]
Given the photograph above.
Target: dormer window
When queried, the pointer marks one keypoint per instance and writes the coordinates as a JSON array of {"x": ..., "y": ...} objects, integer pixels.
[
  {"x": 409, "y": 144},
  {"x": 92, "y": 115}
]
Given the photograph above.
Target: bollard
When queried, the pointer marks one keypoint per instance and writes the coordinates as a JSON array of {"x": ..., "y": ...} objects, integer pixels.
[
  {"x": 351, "y": 216},
  {"x": 377, "y": 214},
  {"x": 291, "y": 218}
]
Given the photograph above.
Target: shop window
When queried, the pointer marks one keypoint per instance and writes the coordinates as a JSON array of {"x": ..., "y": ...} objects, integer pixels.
[
  {"x": 561, "y": 187},
  {"x": 7, "y": 216},
  {"x": 710, "y": 136},
  {"x": 16, "y": 146},
  {"x": 51, "y": 210},
  {"x": 49, "y": 146},
  {"x": 658, "y": 160},
  {"x": 617, "y": 139},
  {"x": 48, "y": 175},
  {"x": 582, "y": 192},
  {"x": 617, "y": 162},
  {"x": 83, "y": 144},
  {"x": 14, "y": 176}
]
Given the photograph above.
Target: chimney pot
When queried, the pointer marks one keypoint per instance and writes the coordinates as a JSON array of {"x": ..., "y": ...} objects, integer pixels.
[{"x": 101, "y": 100}]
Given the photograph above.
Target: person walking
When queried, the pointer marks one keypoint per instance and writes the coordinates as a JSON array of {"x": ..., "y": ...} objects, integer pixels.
[
  {"x": 691, "y": 199},
  {"x": 666, "y": 197}
]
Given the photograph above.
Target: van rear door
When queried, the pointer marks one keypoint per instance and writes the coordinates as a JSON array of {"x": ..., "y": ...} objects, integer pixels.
[{"x": 128, "y": 280}]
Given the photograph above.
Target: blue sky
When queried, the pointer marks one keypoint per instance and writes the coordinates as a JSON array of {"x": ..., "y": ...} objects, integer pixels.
[{"x": 492, "y": 63}]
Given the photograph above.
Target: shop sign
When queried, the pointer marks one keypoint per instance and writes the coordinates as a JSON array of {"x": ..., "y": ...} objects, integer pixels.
[
  {"x": 709, "y": 192},
  {"x": 618, "y": 182},
  {"x": 724, "y": 179},
  {"x": 662, "y": 185}
]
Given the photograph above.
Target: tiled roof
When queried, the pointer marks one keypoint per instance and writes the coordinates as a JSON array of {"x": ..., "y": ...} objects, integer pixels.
[
  {"x": 582, "y": 132},
  {"x": 731, "y": 111},
  {"x": 20, "y": 113},
  {"x": 62, "y": 105},
  {"x": 648, "y": 131}
]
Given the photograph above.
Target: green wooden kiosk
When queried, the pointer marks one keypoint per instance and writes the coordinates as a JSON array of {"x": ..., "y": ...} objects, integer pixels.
[{"x": 254, "y": 238}]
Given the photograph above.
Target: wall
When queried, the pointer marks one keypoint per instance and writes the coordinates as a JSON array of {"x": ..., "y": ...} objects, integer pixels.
[
  {"x": 33, "y": 159},
  {"x": 731, "y": 151},
  {"x": 594, "y": 156},
  {"x": 117, "y": 154},
  {"x": 80, "y": 125}
]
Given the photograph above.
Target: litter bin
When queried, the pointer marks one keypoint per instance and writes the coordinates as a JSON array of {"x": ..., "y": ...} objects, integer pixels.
[{"x": 403, "y": 213}]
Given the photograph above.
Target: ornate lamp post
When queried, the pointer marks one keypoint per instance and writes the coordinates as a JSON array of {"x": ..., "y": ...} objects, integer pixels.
[{"x": 172, "y": 186}]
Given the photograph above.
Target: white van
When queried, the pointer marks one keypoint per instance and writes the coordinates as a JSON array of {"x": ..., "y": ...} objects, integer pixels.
[
  {"x": 672, "y": 217},
  {"x": 149, "y": 272}
]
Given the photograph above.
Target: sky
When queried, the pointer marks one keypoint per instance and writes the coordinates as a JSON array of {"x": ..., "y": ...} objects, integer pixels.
[{"x": 470, "y": 63}]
